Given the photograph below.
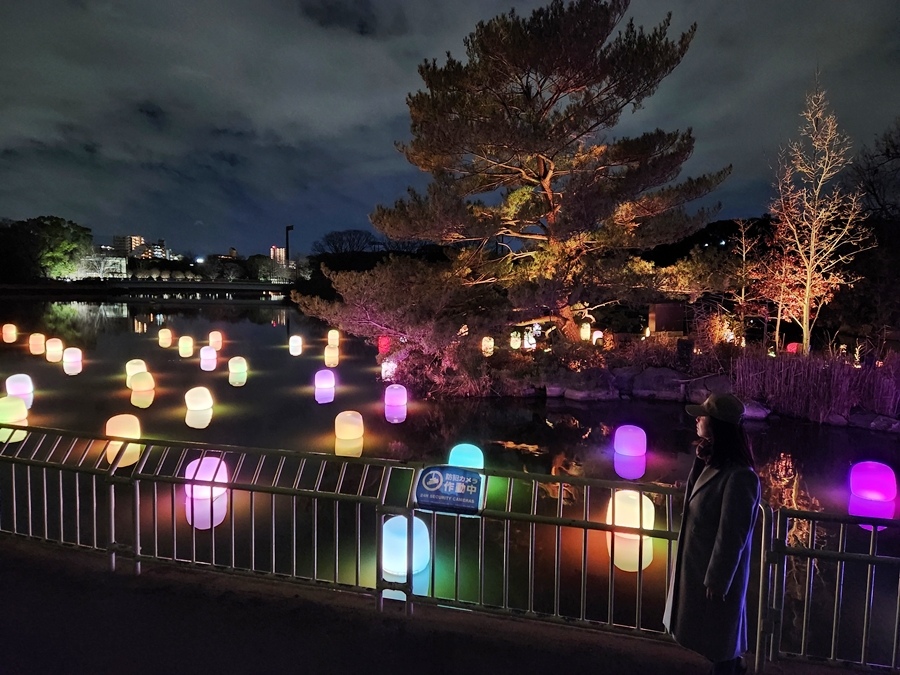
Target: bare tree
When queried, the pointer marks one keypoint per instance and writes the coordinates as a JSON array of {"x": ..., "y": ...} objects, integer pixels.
[
  {"x": 877, "y": 172},
  {"x": 345, "y": 241},
  {"x": 820, "y": 222}
]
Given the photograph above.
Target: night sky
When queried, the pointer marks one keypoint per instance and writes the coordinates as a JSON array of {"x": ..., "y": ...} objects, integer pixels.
[{"x": 215, "y": 123}]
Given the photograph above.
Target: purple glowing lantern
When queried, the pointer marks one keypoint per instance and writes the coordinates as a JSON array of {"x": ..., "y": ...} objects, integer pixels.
[
  {"x": 395, "y": 395},
  {"x": 630, "y": 440},
  {"x": 870, "y": 508},
  {"x": 324, "y": 379},
  {"x": 630, "y": 467}
]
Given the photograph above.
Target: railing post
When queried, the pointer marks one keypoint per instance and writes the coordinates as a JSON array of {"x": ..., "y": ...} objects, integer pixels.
[
  {"x": 137, "y": 527},
  {"x": 111, "y": 544},
  {"x": 763, "y": 624}
]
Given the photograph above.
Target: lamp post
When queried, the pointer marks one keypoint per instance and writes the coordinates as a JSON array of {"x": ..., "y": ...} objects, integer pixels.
[{"x": 287, "y": 245}]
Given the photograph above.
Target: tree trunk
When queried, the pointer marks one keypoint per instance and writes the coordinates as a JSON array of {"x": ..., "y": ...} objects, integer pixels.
[{"x": 567, "y": 325}]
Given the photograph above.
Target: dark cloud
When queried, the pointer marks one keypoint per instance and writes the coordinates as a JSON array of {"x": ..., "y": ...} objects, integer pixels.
[{"x": 247, "y": 115}]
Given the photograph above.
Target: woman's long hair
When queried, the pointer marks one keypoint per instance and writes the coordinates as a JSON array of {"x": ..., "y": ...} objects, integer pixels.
[{"x": 729, "y": 445}]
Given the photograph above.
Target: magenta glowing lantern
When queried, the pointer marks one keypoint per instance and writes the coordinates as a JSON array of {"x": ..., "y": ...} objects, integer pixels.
[
  {"x": 629, "y": 467},
  {"x": 395, "y": 395},
  {"x": 395, "y": 414},
  {"x": 874, "y": 481},
  {"x": 870, "y": 508},
  {"x": 630, "y": 440},
  {"x": 324, "y": 379},
  {"x": 211, "y": 469}
]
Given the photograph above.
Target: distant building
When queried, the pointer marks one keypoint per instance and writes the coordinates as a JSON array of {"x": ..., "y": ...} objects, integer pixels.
[
  {"x": 123, "y": 245},
  {"x": 277, "y": 253}
]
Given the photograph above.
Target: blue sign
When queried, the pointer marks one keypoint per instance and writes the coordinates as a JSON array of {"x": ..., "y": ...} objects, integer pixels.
[{"x": 450, "y": 488}]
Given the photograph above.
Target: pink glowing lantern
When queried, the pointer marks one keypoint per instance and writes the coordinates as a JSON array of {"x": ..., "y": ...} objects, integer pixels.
[
  {"x": 211, "y": 469},
  {"x": 793, "y": 348},
  {"x": 36, "y": 342},
  {"x": 870, "y": 508},
  {"x": 10, "y": 333},
  {"x": 295, "y": 345},
  {"x": 874, "y": 481},
  {"x": 395, "y": 395},
  {"x": 123, "y": 426},
  {"x": 324, "y": 379},
  {"x": 384, "y": 344},
  {"x": 629, "y": 467},
  {"x": 54, "y": 350},
  {"x": 597, "y": 336},
  {"x": 72, "y": 355},
  {"x": 215, "y": 340},
  {"x": 630, "y": 440},
  {"x": 395, "y": 414},
  {"x": 19, "y": 385}
]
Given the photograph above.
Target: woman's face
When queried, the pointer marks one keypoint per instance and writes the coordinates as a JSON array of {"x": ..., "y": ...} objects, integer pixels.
[{"x": 703, "y": 430}]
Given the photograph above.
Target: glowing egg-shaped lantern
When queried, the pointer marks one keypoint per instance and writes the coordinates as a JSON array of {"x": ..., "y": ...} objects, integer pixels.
[
  {"x": 515, "y": 341},
  {"x": 123, "y": 426},
  {"x": 597, "y": 336},
  {"x": 384, "y": 344},
  {"x": 36, "y": 343},
  {"x": 19, "y": 385},
  {"x": 142, "y": 399},
  {"x": 324, "y": 395},
  {"x": 215, "y": 340},
  {"x": 487, "y": 346},
  {"x": 142, "y": 381},
  {"x": 395, "y": 414},
  {"x": 132, "y": 367},
  {"x": 72, "y": 355},
  {"x": 873, "y": 480},
  {"x": 348, "y": 433},
  {"x": 528, "y": 340},
  {"x": 198, "y": 419},
  {"x": 395, "y": 394},
  {"x": 212, "y": 469},
  {"x": 394, "y": 552},
  {"x": 334, "y": 337},
  {"x": 295, "y": 345},
  {"x": 629, "y": 467},
  {"x": 53, "y": 350},
  {"x": 388, "y": 370},
  {"x": 198, "y": 398},
  {"x": 324, "y": 379},
  {"x": 870, "y": 508},
  {"x": 205, "y": 514},
  {"x": 632, "y": 509},
  {"x": 13, "y": 411},
  {"x": 10, "y": 332},
  {"x": 332, "y": 356},
  {"x": 584, "y": 331},
  {"x": 165, "y": 338},
  {"x": 207, "y": 365},
  {"x": 237, "y": 364},
  {"x": 237, "y": 379},
  {"x": 207, "y": 353},
  {"x": 185, "y": 346},
  {"x": 630, "y": 440},
  {"x": 467, "y": 456},
  {"x": 72, "y": 367}
]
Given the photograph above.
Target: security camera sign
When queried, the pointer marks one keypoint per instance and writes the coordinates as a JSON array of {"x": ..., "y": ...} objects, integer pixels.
[{"x": 449, "y": 488}]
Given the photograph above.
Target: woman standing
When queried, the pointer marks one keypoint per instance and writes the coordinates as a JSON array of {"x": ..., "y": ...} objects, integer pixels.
[{"x": 706, "y": 609}]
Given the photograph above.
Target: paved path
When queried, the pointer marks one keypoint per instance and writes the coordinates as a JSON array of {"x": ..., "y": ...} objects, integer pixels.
[{"x": 62, "y": 612}]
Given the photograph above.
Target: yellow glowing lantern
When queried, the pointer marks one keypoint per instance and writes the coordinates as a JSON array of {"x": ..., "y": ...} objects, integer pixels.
[
  {"x": 295, "y": 345},
  {"x": 331, "y": 356},
  {"x": 13, "y": 411},
  {"x": 198, "y": 419},
  {"x": 142, "y": 381},
  {"x": 237, "y": 364},
  {"x": 348, "y": 433},
  {"x": 10, "y": 332},
  {"x": 142, "y": 399},
  {"x": 123, "y": 426},
  {"x": 334, "y": 337},
  {"x": 515, "y": 340},
  {"x": 215, "y": 340},
  {"x": 487, "y": 346},
  {"x": 198, "y": 398},
  {"x": 585, "y": 331},
  {"x": 54, "y": 350},
  {"x": 185, "y": 346},
  {"x": 165, "y": 338},
  {"x": 132, "y": 368},
  {"x": 632, "y": 509},
  {"x": 36, "y": 343}
]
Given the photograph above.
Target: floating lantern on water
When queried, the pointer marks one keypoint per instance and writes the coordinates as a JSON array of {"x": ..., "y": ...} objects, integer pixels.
[
  {"x": 142, "y": 381},
  {"x": 123, "y": 426},
  {"x": 133, "y": 367},
  {"x": 334, "y": 338},
  {"x": 10, "y": 332},
  {"x": 19, "y": 385},
  {"x": 630, "y": 440},
  {"x": 142, "y": 399},
  {"x": 54, "y": 350},
  {"x": 198, "y": 398},
  {"x": 629, "y": 467},
  {"x": 198, "y": 419},
  {"x": 584, "y": 332},
  {"x": 395, "y": 394},
  {"x": 597, "y": 336},
  {"x": 207, "y": 358},
  {"x": 13, "y": 411},
  {"x": 207, "y": 365},
  {"x": 873, "y": 488},
  {"x": 331, "y": 356},
  {"x": 395, "y": 414},
  {"x": 467, "y": 456},
  {"x": 295, "y": 345},
  {"x": 205, "y": 506},
  {"x": 348, "y": 433},
  {"x": 324, "y": 395},
  {"x": 237, "y": 364},
  {"x": 185, "y": 346},
  {"x": 237, "y": 379},
  {"x": 215, "y": 340},
  {"x": 72, "y": 367},
  {"x": 36, "y": 343},
  {"x": 165, "y": 338},
  {"x": 388, "y": 370},
  {"x": 870, "y": 508},
  {"x": 324, "y": 379},
  {"x": 394, "y": 552},
  {"x": 71, "y": 355},
  {"x": 632, "y": 509},
  {"x": 515, "y": 340},
  {"x": 487, "y": 346}
]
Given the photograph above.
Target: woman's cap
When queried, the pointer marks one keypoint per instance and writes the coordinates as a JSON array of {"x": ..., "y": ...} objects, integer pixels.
[{"x": 725, "y": 407}]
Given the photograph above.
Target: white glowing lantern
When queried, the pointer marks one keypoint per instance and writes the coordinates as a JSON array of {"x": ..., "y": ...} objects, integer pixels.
[
  {"x": 632, "y": 509},
  {"x": 467, "y": 456},
  {"x": 324, "y": 379},
  {"x": 54, "y": 350},
  {"x": 584, "y": 331},
  {"x": 13, "y": 411},
  {"x": 237, "y": 364},
  {"x": 123, "y": 426},
  {"x": 185, "y": 346},
  {"x": 597, "y": 336},
  {"x": 132, "y": 368},
  {"x": 198, "y": 398},
  {"x": 142, "y": 399},
  {"x": 207, "y": 353},
  {"x": 237, "y": 379},
  {"x": 394, "y": 547},
  {"x": 207, "y": 365},
  {"x": 332, "y": 356},
  {"x": 19, "y": 385},
  {"x": 630, "y": 440},
  {"x": 10, "y": 332},
  {"x": 528, "y": 340},
  {"x": 36, "y": 343},
  {"x": 487, "y": 346},
  {"x": 295, "y": 345},
  {"x": 515, "y": 341},
  {"x": 388, "y": 370},
  {"x": 395, "y": 394},
  {"x": 72, "y": 355},
  {"x": 334, "y": 338},
  {"x": 72, "y": 367},
  {"x": 142, "y": 381},
  {"x": 198, "y": 419},
  {"x": 348, "y": 433},
  {"x": 215, "y": 340},
  {"x": 165, "y": 338}
]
